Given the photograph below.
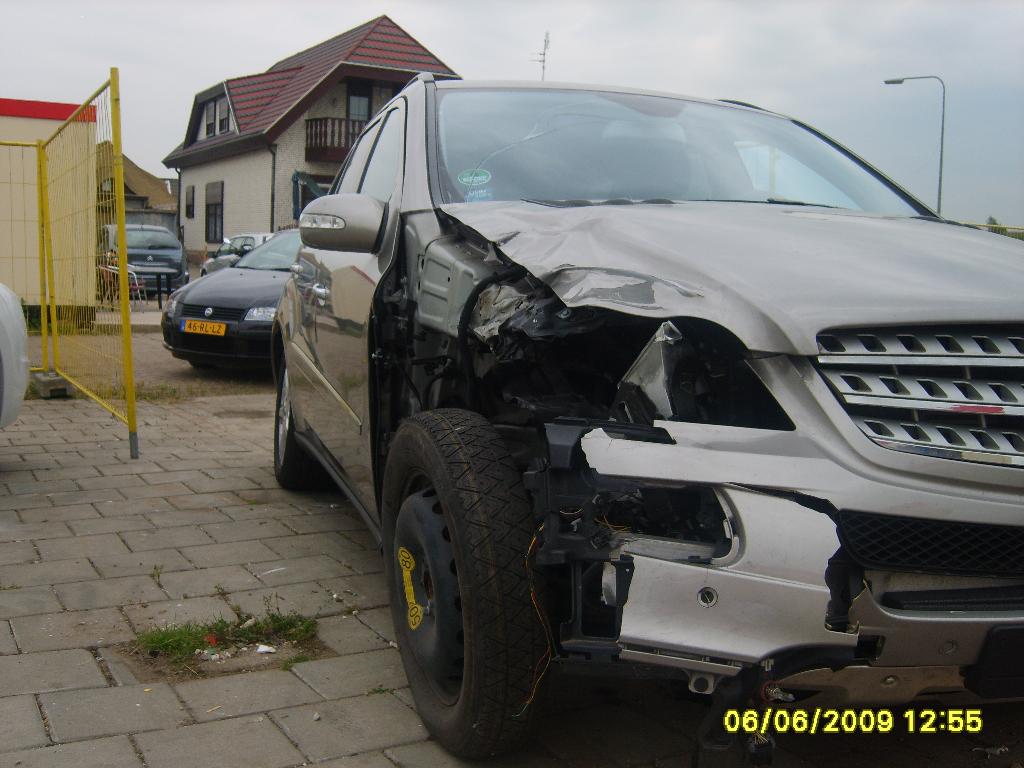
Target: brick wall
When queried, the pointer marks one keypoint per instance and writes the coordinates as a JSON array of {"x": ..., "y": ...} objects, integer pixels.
[{"x": 291, "y": 157}]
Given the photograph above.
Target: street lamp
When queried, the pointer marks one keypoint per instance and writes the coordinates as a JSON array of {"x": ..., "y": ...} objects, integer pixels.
[{"x": 942, "y": 129}]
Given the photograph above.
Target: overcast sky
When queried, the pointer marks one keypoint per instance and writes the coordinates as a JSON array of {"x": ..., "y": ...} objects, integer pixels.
[{"x": 821, "y": 61}]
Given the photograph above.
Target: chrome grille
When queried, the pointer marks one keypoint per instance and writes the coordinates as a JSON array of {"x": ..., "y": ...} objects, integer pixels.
[
  {"x": 219, "y": 313},
  {"x": 948, "y": 392},
  {"x": 923, "y": 347}
]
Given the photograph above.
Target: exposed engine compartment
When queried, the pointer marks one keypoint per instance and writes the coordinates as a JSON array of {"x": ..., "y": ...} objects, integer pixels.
[
  {"x": 471, "y": 329},
  {"x": 535, "y": 359}
]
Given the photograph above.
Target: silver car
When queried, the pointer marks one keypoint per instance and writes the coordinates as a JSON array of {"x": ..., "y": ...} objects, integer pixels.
[
  {"x": 13, "y": 358},
  {"x": 625, "y": 381},
  {"x": 232, "y": 249}
]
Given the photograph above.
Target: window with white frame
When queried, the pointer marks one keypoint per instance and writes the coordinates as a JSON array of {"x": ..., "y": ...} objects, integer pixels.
[
  {"x": 223, "y": 116},
  {"x": 210, "y": 119}
]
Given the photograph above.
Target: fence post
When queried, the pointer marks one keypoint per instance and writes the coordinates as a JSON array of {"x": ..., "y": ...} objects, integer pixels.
[
  {"x": 44, "y": 326},
  {"x": 47, "y": 227},
  {"x": 122, "y": 264}
]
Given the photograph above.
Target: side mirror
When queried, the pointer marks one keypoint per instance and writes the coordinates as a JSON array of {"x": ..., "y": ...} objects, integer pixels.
[{"x": 344, "y": 222}]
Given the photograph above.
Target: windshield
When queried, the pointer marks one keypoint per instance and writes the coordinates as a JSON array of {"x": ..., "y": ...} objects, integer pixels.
[
  {"x": 575, "y": 147},
  {"x": 279, "y": 252},
  {"x": 150, "y": 238}
]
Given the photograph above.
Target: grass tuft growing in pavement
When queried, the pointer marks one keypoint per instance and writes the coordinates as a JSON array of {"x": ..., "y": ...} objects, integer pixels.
[
  {"x": 179, "y": 643},
  {"x": 296, "y": 659}
]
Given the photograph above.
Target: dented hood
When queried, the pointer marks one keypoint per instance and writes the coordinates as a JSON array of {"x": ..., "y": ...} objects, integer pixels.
[{"x": 774, "y": 275}]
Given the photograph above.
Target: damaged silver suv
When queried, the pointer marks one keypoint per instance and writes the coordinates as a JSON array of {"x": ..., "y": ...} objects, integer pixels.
[{"x": 625, "y": 381}]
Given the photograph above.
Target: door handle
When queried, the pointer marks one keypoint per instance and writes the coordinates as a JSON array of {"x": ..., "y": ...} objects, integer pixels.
[
  {"x": 321, "y": 293},
  {"x": 296, "y": 269}
]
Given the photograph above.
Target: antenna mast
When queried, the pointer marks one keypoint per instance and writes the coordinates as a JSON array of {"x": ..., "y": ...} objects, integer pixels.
[{"x": 543, "y": 55}]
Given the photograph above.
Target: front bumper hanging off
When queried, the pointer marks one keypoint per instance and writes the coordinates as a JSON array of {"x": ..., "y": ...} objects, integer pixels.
[{"x": 773, "y": 595}]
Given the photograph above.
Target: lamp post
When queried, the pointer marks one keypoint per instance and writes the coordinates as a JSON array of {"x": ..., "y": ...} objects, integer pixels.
[{"x": 942, "y": 128}]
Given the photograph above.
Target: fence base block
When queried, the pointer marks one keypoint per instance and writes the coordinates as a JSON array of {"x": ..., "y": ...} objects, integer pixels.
[{"x": 50, "y": 385}]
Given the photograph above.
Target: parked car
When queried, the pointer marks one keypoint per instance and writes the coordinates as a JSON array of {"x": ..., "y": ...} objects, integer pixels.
[
  {"x": 150, "y": 249},
  {"x": 13, "y": 359},
  {"x": 626, "y": 381},
  {"x": 231, "y": 250},
  {"x": 225, "y": 318}
]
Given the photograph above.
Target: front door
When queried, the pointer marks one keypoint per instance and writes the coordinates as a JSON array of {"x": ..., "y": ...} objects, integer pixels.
[
  {"x": 347, "y": 282},
  {"x": 315, "y": 398}
]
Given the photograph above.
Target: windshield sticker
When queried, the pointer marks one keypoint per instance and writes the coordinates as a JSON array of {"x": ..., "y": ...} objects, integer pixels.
[
  {"x": 474, "y": 177},
  {"x": 479, "y": 195}
]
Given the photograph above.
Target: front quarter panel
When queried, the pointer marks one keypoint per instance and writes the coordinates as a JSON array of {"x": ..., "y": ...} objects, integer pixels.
[{"x": 292, "y": 334}]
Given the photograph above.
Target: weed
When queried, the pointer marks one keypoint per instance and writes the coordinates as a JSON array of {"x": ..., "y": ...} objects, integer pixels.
[
  {"x": 272, "y": 603},
  {"x": 296, "y": 659},
  {"x": 155, "y": 573},
  {"x": 179, "y": 643},
  {"x": 378, "y": 690}
]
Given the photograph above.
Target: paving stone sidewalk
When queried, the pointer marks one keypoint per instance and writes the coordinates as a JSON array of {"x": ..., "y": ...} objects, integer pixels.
[{"x": 95, "y": 547}]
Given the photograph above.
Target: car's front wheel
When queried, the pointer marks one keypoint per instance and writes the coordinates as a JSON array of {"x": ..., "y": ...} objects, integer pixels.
[
  {"x": 294, "y": 469},
  {"x": 457, "y": 527}
]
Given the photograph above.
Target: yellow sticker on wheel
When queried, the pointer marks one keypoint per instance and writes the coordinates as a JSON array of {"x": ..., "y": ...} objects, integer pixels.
[{"x": 414, "y": 615}]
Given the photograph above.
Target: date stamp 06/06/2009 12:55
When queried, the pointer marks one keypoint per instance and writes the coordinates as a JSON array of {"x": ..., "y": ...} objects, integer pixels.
[{"x": 824, "y": 720}]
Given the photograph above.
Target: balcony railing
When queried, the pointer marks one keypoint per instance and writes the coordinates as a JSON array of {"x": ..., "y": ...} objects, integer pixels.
[{"x": 328, "y": 139}]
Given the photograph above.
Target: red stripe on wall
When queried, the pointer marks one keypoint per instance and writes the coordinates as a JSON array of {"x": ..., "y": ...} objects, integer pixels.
[{"x": 43, "y": 110}]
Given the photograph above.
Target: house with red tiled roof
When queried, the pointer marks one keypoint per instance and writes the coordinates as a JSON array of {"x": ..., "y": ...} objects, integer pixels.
[{"x": 257, "y": 148}]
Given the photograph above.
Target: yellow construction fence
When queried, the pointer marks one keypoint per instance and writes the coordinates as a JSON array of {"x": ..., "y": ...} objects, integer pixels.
[{"x": 62, "y": 250}]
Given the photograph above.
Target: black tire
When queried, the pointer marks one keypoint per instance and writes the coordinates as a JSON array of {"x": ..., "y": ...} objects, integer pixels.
[
  {"x": 455, "y": 463},
  {"x": 294, "y": 469}
]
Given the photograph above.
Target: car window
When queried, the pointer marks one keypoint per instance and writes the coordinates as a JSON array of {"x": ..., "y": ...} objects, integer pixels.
[
  {"x": 592, "y": 146},
  {"x": 150, "y": 238},
  {"x": 382, "y": 170},
  {"x": 352, "y": 172},
  {"x": 278, "y": 253},
  {"x": 778, "y": 174}
]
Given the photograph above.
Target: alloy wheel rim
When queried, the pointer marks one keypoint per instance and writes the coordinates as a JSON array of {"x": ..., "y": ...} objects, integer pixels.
[{"x": 283, "y": 417}]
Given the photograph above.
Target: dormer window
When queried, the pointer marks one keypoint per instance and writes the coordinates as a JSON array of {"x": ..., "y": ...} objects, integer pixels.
[
  {"x": 216, "y": 118},
  {"x": 223, "y": 120}
]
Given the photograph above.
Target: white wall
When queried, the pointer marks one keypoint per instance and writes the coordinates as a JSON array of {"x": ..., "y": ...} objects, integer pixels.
[
  {"x": 19, "y": 221},
  {"x": 26, "y": 128},
  {"x": 246, "y": 196}
]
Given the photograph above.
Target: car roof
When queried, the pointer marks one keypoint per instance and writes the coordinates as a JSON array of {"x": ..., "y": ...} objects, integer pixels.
[
  {"x": 149, "y": 227},
  {"x": 534, "y": 85}
]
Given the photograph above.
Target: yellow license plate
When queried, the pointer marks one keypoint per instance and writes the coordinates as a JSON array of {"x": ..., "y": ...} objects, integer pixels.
[{"x": 203, "y": 326}]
